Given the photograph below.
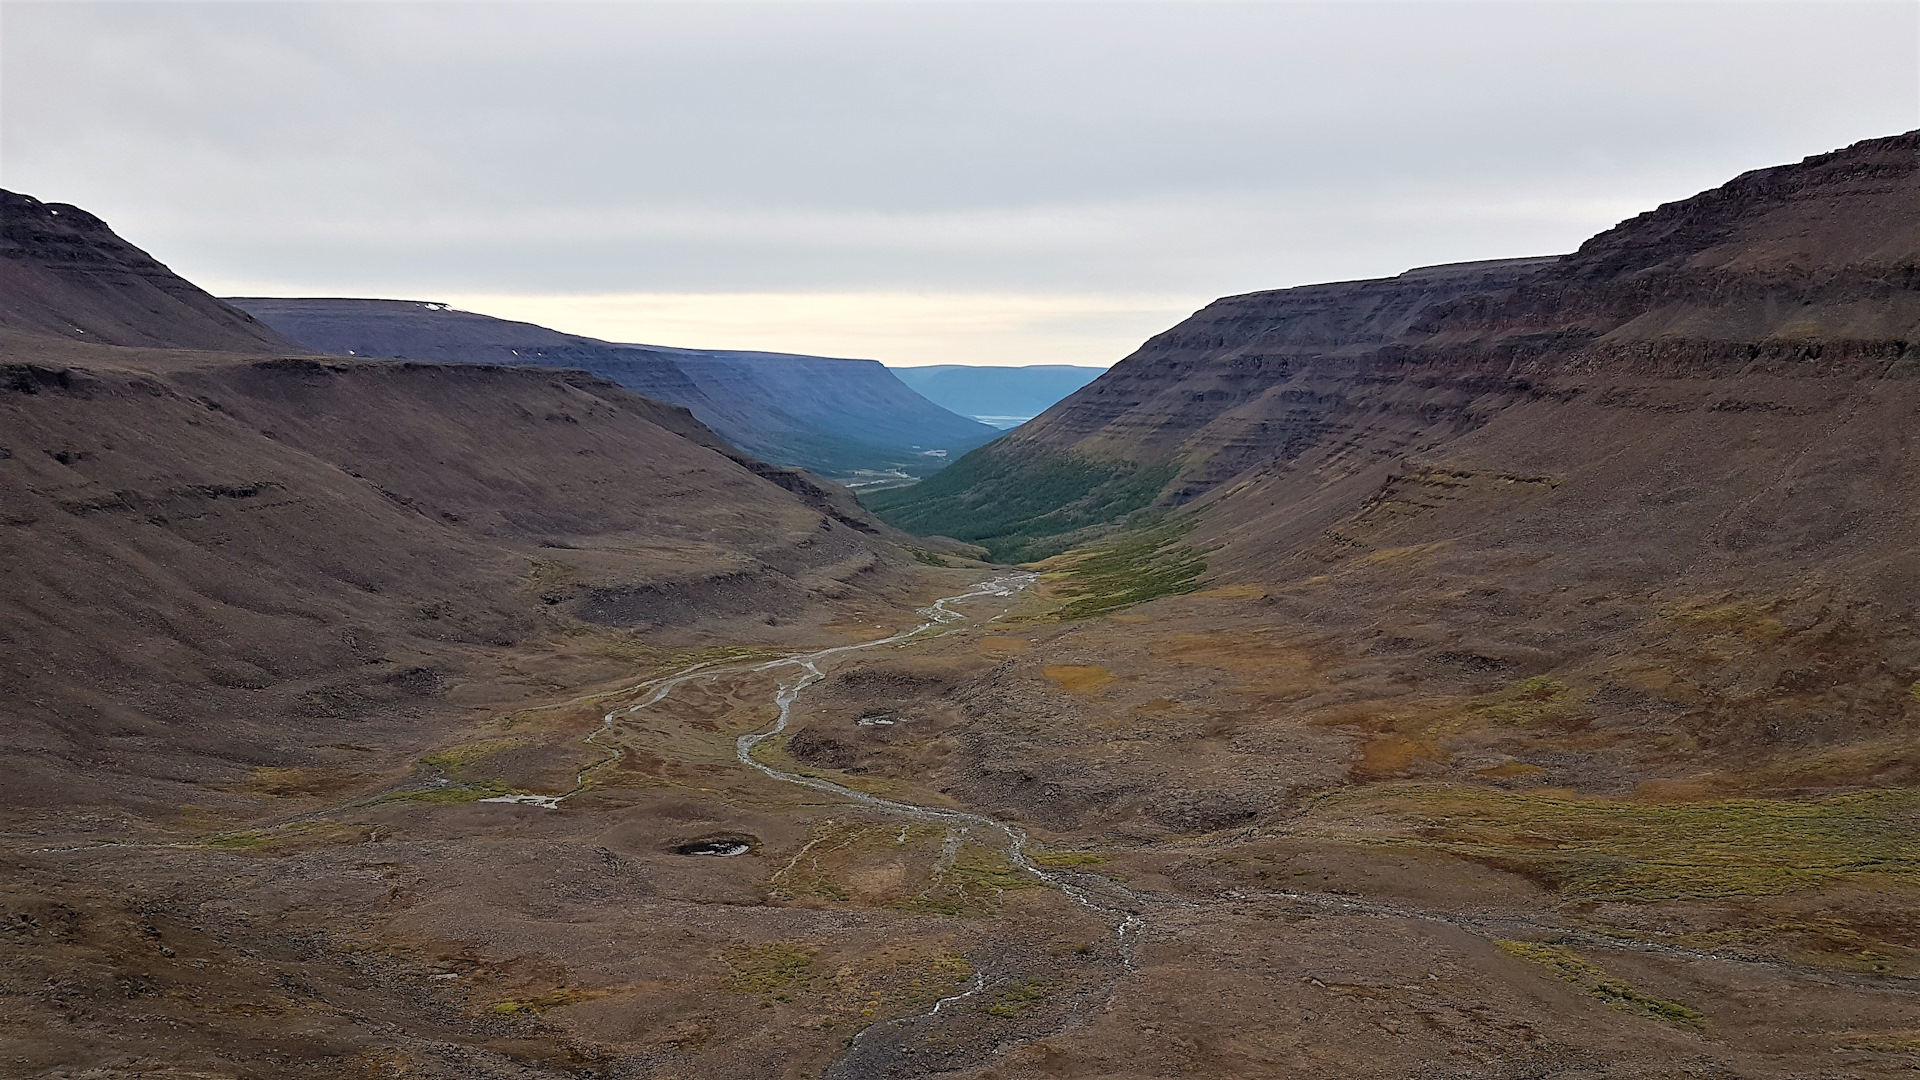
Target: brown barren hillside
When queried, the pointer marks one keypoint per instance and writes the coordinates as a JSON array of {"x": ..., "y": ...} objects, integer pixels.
[
  {"x": 64, "y": 272},
  {"x": 235, "y": 563}
]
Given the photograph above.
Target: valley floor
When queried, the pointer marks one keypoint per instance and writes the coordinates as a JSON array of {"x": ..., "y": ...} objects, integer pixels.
[{"x": 1135, "y": 845}]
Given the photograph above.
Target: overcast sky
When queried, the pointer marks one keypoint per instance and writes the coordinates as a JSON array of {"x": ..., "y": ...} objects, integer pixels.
[{"x": 919, "y": 182}]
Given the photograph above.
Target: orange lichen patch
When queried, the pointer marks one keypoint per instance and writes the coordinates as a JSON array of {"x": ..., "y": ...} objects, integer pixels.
[
  {"x": 1078, "y": 678},
  {"x": 1004, "y": 644},
  {"x": 1744, "y": 620},
  {"x": 1511, "y": 770},
  {"x": 1268, "y": 661},
  {"x": 1391, "y": 755},
  {"x": 297, "y": 780},
  {"x": 1235, "y": 592}
]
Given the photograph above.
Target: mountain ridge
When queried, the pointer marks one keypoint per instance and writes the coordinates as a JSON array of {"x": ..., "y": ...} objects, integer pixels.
[
  {"x": 833, "y": 416},
  {"x": 1718, "y": 282},
  {"x": 64, "y": 272}
]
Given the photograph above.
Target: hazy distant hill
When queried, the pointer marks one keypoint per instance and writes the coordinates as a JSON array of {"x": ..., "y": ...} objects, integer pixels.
[
  {"x": 1001, "y": 396},
  {"x": 834, "y": 416}
]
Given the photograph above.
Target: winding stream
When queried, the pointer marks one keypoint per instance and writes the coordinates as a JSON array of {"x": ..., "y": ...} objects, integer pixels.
[
  {"x": 1112, "y": 900},
  {"x": 938, "y": 614}
]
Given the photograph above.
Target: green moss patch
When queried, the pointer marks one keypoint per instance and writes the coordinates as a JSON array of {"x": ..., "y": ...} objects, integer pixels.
[
  {"x": 456, "y": 758},
  {"x": 1021, "y": 505},
  {"x": 451, "y": 793},
  {"x": 1137, "y": 567},
  {"x": 1745, "y": 620},
  {"x": 973, "y": 886},
  {"x": 773, "y": 967},
  {"x": 1017, "y": 1000},
  {"x": 1526, "y": 701},
  {"x": 1617, "y": 993},
  {"x": 269, "y": 841},
  {"x": 537, "y": 1005}
]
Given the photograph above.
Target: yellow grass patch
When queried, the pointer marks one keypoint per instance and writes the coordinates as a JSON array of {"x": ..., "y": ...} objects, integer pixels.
[
  {"x": 1004, "y": 644},
  {"x": 299, "y": 780},
  {"x": 1391, "y": 755},
  {"x": 1078, "y": 678},
  {"x": 1645, "y": 851}
]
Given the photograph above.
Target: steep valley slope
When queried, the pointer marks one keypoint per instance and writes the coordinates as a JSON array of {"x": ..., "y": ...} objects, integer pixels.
[{"x": 836, "y": 417}]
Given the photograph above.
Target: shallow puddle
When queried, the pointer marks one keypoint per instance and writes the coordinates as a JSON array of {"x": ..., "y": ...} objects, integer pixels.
[{"x": 720, "y": 849}]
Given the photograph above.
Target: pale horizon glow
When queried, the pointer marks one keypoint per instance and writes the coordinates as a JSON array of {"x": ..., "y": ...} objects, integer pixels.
[
  {"x": 917, "y": 183},
  {"x": 900, "y": 330}
]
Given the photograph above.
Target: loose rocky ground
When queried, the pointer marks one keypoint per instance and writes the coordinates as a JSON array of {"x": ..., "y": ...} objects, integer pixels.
[{"x": 1315, "y": 898}]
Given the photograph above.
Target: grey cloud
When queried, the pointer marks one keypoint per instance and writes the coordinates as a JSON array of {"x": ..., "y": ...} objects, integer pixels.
[{"x": 1167, "y": 147}]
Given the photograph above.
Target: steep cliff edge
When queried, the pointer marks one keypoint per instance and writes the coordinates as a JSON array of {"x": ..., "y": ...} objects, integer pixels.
[{"x": 64, "y": 272}]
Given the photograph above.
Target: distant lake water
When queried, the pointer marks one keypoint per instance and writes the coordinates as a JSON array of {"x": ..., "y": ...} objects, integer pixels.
[{"x": 1003, "y": 422}]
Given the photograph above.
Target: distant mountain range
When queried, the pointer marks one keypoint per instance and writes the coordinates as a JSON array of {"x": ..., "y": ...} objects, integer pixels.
[
  {"x": 849, "y": 419},
  {"x": 1002, "y": 396}
]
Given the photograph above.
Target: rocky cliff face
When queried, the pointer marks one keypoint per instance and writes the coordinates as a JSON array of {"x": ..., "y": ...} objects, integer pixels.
[
  {"x": 1243, "y": 381},
  {"x": 62, "y": 271},
  {"x": 833, "y": 416},
  {"x": 1810, "y": 264},
  {"x": 1822, "y": 251}
]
